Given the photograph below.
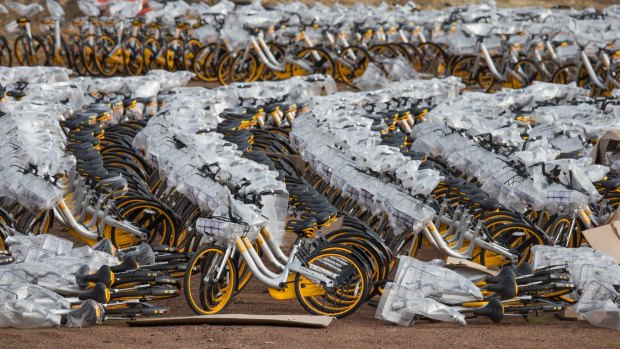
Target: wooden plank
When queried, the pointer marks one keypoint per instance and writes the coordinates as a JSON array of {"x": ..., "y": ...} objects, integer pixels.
[{"x": 312, "y": 321}]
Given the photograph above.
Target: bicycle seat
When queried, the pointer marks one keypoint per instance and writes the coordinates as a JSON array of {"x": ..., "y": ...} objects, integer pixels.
[
  {"x": 16, "y": 94},
  {"x": 87, "y": 156},
  {"x": 80, "y": 147},
  {"x": 322, "y": 218},
  {"x": 271, "y": 108},
  {"x": 88, "y": 314},
  {"x": 128, "y": 264},
  {"x": 455, "y": 181},
  {"x": 505, "y": 272},
  {"x": 311, "y": 201},
  {"x": 494, "y": 310},
  {"x": 84, "y": 138},
  {"x": 99, "y": 294},
  {"x": 488, "y": 204},
  {"x": 103, "y": 275},
  {"x": 302, "y": 227},
  {"x": 113, "y": 186},
  {"x": 524, "y": 269},
  {"x": 610, "y": 184},
  {"x": 74, "y": 122},
  {"x": 468, "y": 186},
  {"x": 506, "y": 288}
]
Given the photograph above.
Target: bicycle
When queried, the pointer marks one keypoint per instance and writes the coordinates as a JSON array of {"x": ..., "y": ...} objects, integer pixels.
[{"x": 328, "y": 281}]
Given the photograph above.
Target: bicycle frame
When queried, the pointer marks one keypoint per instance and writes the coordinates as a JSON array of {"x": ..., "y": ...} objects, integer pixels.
[
  {"x": 260, "y": 271},
  {"x": 100, "y": 214},
  {"x": 585, "y": 61}
]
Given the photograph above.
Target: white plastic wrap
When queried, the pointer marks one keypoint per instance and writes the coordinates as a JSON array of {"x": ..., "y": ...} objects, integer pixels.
[
  {"x": 598, "y": 305},
  {"x": 400, "y": 305},
  {"x": 549, "y": 256}
]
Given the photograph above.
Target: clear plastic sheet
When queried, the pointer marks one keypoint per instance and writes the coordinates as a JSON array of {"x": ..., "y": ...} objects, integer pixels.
[
  {"x": 549, "y": 256},
  {"x": 22, "y": 313},
  {"x": 400, "y": 305},
  {"x": 599, "y": 305},
  {"x": 436, "y": 282},
  {"x": 42, "y": 274},
  {"x": 142, "y": 253},
  {"x": 33, "y": 293}
]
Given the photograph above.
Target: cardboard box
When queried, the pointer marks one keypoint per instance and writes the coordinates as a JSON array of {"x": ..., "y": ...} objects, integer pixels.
[
  {"x": 457, "y": 263},
  {"x": 605, "y": 238}
]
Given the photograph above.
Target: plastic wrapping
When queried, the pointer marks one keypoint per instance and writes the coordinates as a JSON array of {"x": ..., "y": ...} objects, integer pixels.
[
  {"x": 88, "y": 314},
  {"x": 436, "y": 282},
  {"x": 372, "y": 79},
  {"x": 33, "y": 293},
  {"x": 400, "y": 305},
  {"x": 55, "y": 9},
  {"x": 143, "y": 254},
  {"x": 25, "y": 314},
  {"x": 25, "y": 10},
  {"x": 52, "y": 243},
  {"x": 599, "y": 305},
  {"x": 42, "y": 274},
  {"x": 549, "y": 256}
]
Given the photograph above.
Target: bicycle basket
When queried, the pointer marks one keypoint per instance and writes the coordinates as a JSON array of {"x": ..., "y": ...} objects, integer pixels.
[
  {"x": 566, "y": 53},
  {"x": 222, "y": 230}
]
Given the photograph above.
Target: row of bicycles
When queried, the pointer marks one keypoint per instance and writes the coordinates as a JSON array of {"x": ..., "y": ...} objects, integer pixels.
[
  {"x": 485, "y": 46},
  {"x": 220, "y": 182}
]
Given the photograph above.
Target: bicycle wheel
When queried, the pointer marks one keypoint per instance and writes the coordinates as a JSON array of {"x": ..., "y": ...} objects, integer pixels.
[
  {"x": 205, "y": 291},
  {"x": 352, "y": 63},
  {"x": 585, "y": 81},
  {"x": 463, "y": 68},
  {"x": 211, "y": 62},
  {"x": 60, "y": 57},
  {"x": 190, "y": 50},
  {"x": 133, "y": 57},
  {"x": 5, "y": 53},
  {"x": 313, "y": 61},
  {"x": 244, "y": 273},
  {"x": 151, "y": 48},
  {"x": 244, "y": 68},
  {"x": 223, "y": 69},
  {"x": 88, "y": 57},
  {"x": 560, "y": 233},
  {"x": 107, "y": 57},
  {"x": 430, "y": 59},
  {"x": 484, "y": 76},
  {"x": 524, "y": 73},
  {"x": 75, "y": 51},
  {"x": 268, "y": 74},
  {"x": 381, "y": 52},
  {"x": 548, "y": 67},
  {"x": 350, "y": 287},
  {"x": 519, "y": 238},
  {"x": 174, "y": 55},
  {"x": 36, "y": 223},
  {"x": 565, "y": 74},
  {"x": 160, "y": 224},
  {"x": 30, "y": 52}
]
